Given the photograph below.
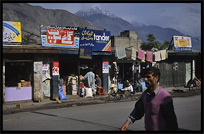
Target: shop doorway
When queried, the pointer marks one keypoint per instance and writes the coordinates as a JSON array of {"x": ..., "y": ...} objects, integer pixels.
[
  {"x": 69, "y": 73},
  {"x": 125, "y": 72},
  {"x": 18, "y": 80},
  {"x": 17, "y": 71}
]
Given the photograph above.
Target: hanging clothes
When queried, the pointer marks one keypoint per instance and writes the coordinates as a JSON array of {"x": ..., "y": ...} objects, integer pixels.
[
  {"x": 164, "y": 54},
  {"x": 157, "y": 56},
  {"x": 120, "y": 53},
  {"x": 133, "y": 55},
  {"x": 149, "y": 57},
  {"x": 128, "y": 53},
  {"x": 141, "y": 55}
]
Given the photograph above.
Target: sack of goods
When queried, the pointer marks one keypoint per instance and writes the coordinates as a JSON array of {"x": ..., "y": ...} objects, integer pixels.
[
  {"x": 61, "y": 95},
  {"x": 88, "y": 92},
  {"x": 74, "y": 92}
]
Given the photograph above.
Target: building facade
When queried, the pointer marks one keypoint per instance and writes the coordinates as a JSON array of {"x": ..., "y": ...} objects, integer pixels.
[
  {"x": 29, "y": 74},
  {"x": 28, "y": 70}
]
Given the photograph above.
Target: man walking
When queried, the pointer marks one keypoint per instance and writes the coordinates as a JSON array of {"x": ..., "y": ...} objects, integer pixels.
[{"x": 156, "y": 104}]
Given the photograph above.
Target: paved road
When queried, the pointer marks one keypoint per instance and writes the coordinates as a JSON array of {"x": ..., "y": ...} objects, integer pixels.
[{"x": 108, "y": 116}]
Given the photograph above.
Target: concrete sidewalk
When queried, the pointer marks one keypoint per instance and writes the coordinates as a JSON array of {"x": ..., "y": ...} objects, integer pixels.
[
  {"x": 28, "y": 105},
  {"x": 75, "y": 100}
]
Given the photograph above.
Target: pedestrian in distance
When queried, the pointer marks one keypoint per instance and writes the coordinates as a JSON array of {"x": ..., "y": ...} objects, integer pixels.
[
  {"x": 98, "y": 81},
  {"x": 61, "y": 81},
  {"x": 138, "y": 85},
  {"x": 127, "y": 88},
  {"x": 155, "y": 104}
]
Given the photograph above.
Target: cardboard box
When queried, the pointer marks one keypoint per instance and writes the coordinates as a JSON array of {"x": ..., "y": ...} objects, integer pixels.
[
  {"x": 74, "y": 92},
  {"x": 19, "y": 106},
  {"x": 26, "y": 84},
  {"x": 74, "y": 81}
]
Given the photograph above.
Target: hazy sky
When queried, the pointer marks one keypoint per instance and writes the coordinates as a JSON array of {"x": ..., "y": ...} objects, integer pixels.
[{"x": 185, "y": 17}]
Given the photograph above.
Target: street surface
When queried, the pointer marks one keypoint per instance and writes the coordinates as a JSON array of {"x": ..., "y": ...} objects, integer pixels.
[{"x": 99, "y": 117}]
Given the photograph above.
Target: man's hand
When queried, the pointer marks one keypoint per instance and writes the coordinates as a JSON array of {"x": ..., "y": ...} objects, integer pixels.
[{"x": 124, "y": 127}]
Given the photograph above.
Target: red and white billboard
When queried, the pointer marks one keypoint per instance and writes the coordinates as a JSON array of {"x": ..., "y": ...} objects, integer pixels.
[
  {"x": 60, "y": 37},
  {"x": 55, "y": 68}
]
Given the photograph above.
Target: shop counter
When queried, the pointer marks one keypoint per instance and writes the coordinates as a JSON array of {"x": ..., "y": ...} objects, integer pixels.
[{"x": 18, "y": 93}]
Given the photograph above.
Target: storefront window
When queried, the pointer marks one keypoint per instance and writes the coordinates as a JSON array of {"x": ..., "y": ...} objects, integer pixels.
[{"x": 17, "y": 72}]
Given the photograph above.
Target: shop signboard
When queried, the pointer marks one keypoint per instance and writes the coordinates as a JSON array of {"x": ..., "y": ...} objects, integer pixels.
[
  {"x": 86, "y": 44},
  {"x": 45, "y": 67},
  {"x": 57, "y": 36},
  {"x": 182, "y": 43},
  {"x": 55, "y": 68},
  {"x": 12, "y": 33},
  {"x": 105, "y": 67},
  {"x": 54, "y": 83},
  {"x": 85, "y": 52},
  {"x": 99, "y": 40},
  {"x": 45, "y": 72}
]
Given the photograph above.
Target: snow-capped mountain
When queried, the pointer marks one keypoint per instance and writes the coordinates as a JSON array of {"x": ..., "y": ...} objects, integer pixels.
[
  {"x": 31, "y": 17},
  {"x": 105, "y": 20},
  {"x": 110, "y": 22},
  {"x": 137, "y": 23},
  {"x": 95, "y": 10}
]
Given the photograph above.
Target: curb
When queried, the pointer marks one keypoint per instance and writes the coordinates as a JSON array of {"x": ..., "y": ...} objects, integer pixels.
[{"x": 28, "y": 106}]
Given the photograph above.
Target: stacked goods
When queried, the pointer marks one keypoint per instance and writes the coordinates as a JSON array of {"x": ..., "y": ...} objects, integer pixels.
[
  {"x": 24, "y": 83},
  {"x": 69, "y": 84},
  {"x": 19, "y": 84},
  {"x": 72, "y": 85}
]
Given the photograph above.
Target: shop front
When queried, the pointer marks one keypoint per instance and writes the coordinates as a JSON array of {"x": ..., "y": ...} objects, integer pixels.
[
  {"x": 180, "y": 68},
  {"x": 38, "y": 69},
  {"x": 22, "y": 74},
  {"x": 18, "y": 77},
  {"x": 100, "y": 63},
  {"x": 22, "y": 83}
]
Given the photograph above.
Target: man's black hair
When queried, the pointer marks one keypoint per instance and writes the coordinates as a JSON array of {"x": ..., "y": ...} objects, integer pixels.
[
  {"x": 154, "y": 71},
  {"x": 91, "y": 69}
]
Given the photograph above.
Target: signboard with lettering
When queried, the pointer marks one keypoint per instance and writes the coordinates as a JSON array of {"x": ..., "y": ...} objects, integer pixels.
[
  {"x": 85, "y": 52},
  {"x": 11, "y": 33},
  {"x": 99, "y": 40},
  {"x": 55, "y": 68},
  {"x": 182, "y": 43},
  {"x": 57, "y": 36},
  {"x": 105, "y": 67}
]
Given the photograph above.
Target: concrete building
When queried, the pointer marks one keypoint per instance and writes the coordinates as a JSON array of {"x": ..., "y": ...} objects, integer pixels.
[
  {"x": 187, "y": 62},
  {"x": 129, "y": 65},
  {"x": 126, "y": 39}
]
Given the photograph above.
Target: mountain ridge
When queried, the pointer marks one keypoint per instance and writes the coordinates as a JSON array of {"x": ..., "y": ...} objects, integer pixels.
[
  {"x": 32, "y": 17},
  {"x": 117, "y": 25}
]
